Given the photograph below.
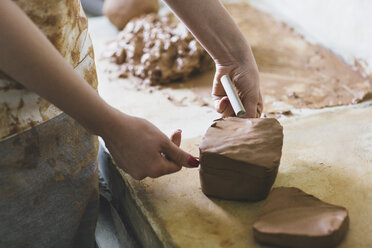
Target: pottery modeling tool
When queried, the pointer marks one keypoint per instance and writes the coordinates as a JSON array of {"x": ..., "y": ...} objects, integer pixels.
[{"x": 233, "y": 96}]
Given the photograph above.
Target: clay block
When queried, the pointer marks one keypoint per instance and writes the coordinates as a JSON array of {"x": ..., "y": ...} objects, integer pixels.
[
  {"x": 239, "y": 158},
  {"x": 292, "y": 218}
]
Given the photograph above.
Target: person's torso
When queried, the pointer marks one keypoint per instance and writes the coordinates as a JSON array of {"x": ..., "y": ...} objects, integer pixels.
[{"x": 66, "y": 26}]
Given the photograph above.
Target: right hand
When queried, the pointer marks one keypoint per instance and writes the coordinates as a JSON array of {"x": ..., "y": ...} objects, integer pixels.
[
  {"x": 142, "y": 150},
  {"x": 245, "y": 77}
]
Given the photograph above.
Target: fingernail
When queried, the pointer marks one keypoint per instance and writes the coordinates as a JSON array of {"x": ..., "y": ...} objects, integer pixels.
[
  {"x": 179, "y": 130},
  {"x": 193, "y": 161},
  {"x": 226, "y": 102}
]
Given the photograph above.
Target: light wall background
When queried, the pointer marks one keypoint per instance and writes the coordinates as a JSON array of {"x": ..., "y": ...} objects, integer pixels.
[{"x": 343, "y": 26}]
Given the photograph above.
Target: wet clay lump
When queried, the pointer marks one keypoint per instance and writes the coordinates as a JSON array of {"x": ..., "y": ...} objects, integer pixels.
[
  {"x": 239, "y": 158},
  {"x": 160, "y": 50}
]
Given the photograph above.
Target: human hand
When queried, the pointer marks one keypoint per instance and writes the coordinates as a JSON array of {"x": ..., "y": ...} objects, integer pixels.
[
  {"x": 142, "y": 150},
  {"x": 245, "y": 77}
]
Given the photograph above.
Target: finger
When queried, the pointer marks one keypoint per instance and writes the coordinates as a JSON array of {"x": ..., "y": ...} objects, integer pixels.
[
  {"x": 253, "y": 107},
  {"x": 229, "y": 111},
  {"x": 169, "y": 167},
  {"x": 217, "y": 100},
  {"x": 222, "y": 104},
  {"x": 162, "y": 166},
  {"x": 178, "y": 156},
  {"x": 260, "y": 106},
  {"x": 251, "y": 110},
  {"x": 224, "y": 107},
  {"x": 176, "y": 137},
  {"x": 217, "y": 89}
]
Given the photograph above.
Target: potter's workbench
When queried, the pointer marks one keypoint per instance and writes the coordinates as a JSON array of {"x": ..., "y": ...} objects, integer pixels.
[{"x": 327, "y": 153}]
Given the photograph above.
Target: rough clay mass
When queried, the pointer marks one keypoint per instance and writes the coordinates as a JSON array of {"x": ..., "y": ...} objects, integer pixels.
[{"x": 159, "y": 50}]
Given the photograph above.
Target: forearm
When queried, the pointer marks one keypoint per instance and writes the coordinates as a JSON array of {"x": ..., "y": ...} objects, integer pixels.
[
  {"x": 215, "y": 29},
  {"x": 28, "y": 57}
]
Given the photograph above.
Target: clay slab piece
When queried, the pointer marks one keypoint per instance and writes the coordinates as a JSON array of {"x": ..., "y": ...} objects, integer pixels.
[
  {"x": 292, "y": 218},
  {"x": 239, "y": 158}
]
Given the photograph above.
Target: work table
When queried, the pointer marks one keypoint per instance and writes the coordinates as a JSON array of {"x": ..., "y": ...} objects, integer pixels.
[{"x": 326, "y": 152}]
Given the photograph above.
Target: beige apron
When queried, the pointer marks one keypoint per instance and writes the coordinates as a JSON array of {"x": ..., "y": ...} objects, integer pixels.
[
  {"x": 66, "y": 26},
  {"x": 48, "y": 165}
]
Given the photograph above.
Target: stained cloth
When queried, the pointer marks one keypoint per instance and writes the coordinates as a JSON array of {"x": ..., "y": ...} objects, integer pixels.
[{"x": 49, "y": 186}]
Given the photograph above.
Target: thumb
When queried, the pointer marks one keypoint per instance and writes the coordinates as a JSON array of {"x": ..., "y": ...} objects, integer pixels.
[
  {"x": 176, "y": 137},
  {"x": 223, "y": 107},
  {"x": 221, "y": 104},
  {"x": 173, "y": 153}
]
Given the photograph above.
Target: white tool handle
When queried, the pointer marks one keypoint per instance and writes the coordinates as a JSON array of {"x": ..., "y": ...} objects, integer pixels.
[{"x": 234, "y": 99}]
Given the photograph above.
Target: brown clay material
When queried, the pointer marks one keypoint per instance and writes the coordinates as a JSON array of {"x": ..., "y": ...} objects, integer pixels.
[
  {"x": 159, "y": 49},
  {"x": 292, "y": 218},
  {"x": 120, "y": 12},
  {"x": 293, "y": 72},
  {"x": 239, "y": 158}
]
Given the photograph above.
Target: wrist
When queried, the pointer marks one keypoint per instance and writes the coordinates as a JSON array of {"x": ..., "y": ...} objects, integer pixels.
[
  {"x": 237, "y": 67},
  {"x": 237, "y": 57},
  {"x": 107, "y": 119}
]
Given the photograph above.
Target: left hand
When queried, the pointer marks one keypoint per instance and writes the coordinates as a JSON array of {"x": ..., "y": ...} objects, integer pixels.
[{"x": 141, "y": 149}]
